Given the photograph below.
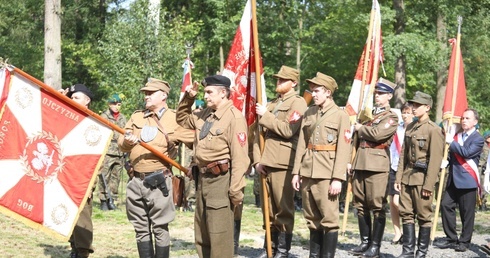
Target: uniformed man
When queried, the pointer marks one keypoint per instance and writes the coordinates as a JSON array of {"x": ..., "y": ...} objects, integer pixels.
[
  {"x": 320, "y": 165},
  {"x": 149, "y": 200},
  {"x": 371, "y": 169},
  {"x": 221, "y": 153},
  {"x": 83, "y": 234},
  {"x": 280, "y": 121},
  {"x": 418, "y": 169},
  {"x": 114, "y": 159}
]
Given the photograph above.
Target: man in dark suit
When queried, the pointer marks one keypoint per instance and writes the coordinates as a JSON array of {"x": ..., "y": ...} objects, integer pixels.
[{"x": 462, "y": 182}]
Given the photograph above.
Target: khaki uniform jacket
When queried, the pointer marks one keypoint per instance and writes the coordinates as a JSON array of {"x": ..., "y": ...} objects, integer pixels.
[
  {"x": 121, "y": 122},
  {"x": 424, "y": 142},
  {"x": 281, "y": 126},
  {"x": 328, "y": 126},
  {"x": 143, "y": 160},
  {"x": 380, "y": 130},
  {"x": 227, "y": 139}
]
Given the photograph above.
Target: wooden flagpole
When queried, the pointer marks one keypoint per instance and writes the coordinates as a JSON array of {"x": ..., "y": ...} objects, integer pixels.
[
  {"x": 449, "y": 125},
  {"x": 97, "y": 117},
  {"x": 258, "y": 88},
  {"x": 366, "y": 58}
]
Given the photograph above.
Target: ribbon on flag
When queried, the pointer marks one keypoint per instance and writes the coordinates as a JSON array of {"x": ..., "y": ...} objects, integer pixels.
[
  {"x": 360, "y": 102},
  {"x": 50, "y": 153},
  {"x": 240, "y": 68},
  {"x": 187, "y": 77}
]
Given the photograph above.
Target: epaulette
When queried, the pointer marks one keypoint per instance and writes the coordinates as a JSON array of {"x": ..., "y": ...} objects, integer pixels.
[
  {"x": 139, "y": 110},
  {"x": 236, "y": 113}
]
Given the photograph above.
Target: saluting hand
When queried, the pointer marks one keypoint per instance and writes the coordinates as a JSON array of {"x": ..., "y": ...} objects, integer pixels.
[
  {"x": 192, "y": 89},
  {"x": 260, "y": 109}
]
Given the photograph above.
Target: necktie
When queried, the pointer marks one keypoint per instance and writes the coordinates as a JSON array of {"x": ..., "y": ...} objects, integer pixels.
[{"x": 464, "y": 136}]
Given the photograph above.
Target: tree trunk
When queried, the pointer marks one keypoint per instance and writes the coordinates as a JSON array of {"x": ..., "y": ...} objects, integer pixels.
[
  {"x": 52, "y": 43},
  {"x": 400, "y": 64},
  {"x": 441, "y": 74}
]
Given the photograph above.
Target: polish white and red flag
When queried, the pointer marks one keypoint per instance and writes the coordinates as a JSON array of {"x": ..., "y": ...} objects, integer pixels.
[
  {"x": 240, "y": 68},
  {"x": 187, "y": 77},
  {"x": 50, "y": 152},
  {"x": 367, "y": 71}
]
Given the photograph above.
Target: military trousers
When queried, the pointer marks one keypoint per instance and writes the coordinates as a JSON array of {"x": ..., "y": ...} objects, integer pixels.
[
  {"x": 281, "y": 199},
  {"x": 321, "y": 211},
  {"x": 213, "y": 218},
  {"x": 369, "y": 192},
  {"x": 111, "y": 170},
  {"x": 148, "y": 210},
  {"x": 415, "y": 206},
  {"x": 83, "y": 233}
]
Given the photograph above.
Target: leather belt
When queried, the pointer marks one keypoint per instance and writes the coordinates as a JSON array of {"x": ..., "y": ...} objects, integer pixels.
[
  {"x": 326, "y": 147},
  {"x": 372, "y": 145},
  {"x": 216, "y": 167},
  {"x": 166, "y": 172}
]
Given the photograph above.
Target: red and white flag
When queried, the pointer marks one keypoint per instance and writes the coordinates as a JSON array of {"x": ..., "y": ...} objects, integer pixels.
[
  {"x": 187, "y": 77},
  {"x": 50, "y": 153},
  {"x": 455, "y": 86},
  {"x": 367, "y": 70},
  {"x": 240, "y": 68}
]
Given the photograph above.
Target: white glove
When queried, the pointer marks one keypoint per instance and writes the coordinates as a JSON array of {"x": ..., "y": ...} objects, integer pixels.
[
  {"x": 449, "y": 137},
  {"x": 486, "y": 182},
  {"x": 444, "y": 163}
]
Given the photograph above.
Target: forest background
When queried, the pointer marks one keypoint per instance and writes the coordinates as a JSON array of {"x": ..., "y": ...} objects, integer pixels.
[{"x": 114, "y": 46}]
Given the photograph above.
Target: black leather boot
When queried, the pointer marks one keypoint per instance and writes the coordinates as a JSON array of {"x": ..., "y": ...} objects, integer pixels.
[
  {"x": 316, "y": 237},
  {"x": 408, "y": 241},
  {"x": 257, "y": 200},
  {"x": 145, "y": 249},
  {"x": 110, "y": 205},
  {"x": 329, "y": 244},
  {"x": 378, "y": 230},
  {"x": 274, "y": 235},
  {"x": 283, "y": 245},
  {"x": 423, "y": 242},
  {"x": 162, "y": 251},
  {"x": 103, "y": 205},
  {"x": 236, "y": 235},
  {"x": 365, "y": 234}
]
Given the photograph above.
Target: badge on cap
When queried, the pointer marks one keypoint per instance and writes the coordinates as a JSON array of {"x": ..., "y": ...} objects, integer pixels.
[
  {"x": 242, "y": 138},
  {"x": 294, "y": 117}
]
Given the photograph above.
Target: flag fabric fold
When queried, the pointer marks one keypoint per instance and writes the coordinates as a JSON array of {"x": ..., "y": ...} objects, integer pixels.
[
  {"x": 455, "y": 80},
  {"x": 240, "y": 68},
  {"x": 187, "y": 77},
  {"x": 50, "y": 153},
  {"x": 367, "y": 71}
]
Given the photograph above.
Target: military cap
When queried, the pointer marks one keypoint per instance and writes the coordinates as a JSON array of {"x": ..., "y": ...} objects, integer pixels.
[
  {"x": 114, "y": 98},
  {"x": 216, "y": 80},
  {"x": 79, "y": 88},
  {"x": 287, "y": 73},
  {"x": 422, "y": 98},
  {"x": 199, "y": 103},
  {"x": 384, "y": 85},
  {"x": 324, "y": 80},
  {"x": 155, "y": 85}
]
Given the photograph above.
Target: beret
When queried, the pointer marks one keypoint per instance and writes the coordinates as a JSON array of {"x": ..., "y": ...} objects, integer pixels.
[
  {"x": 216, "y": 80},
  {"x": 79, "y": 88}
]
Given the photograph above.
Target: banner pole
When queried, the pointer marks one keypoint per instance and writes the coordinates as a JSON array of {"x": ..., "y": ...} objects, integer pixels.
[
  {"x": 97, "y": 117},
  {"x": 258, "y": 87}
]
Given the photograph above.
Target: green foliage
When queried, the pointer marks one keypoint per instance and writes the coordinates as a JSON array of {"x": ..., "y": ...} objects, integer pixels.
[{"x": 111, "y": 49}]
